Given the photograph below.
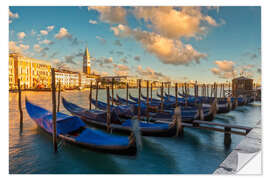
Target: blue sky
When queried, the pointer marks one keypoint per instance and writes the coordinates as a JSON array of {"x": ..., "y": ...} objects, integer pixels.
[{"x": 167, "y": 43}]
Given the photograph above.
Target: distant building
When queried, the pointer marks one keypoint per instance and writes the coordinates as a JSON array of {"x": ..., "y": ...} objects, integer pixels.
[
  {"x": 36, "y": 74},
  {"x": 68, "y": 79},
  {"x": 85, "y": 80},
  {"x": 33, "y": 73},
  {"x": 132, "y": 81},
  {"x": 11, "y": 73},
  {"x": 86, "y": 62},
  {"x": 242, "y": 86}
]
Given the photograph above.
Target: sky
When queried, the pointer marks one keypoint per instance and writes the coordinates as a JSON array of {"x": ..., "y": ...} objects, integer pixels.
[{"x": 179, "y": 44}]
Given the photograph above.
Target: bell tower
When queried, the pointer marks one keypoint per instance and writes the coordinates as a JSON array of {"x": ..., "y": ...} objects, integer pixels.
[{"x": 86, "y": 62}]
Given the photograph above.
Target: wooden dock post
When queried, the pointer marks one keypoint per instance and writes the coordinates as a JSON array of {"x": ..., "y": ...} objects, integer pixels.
[
  {"x": 162, "y": 97},
  {"x": 195, "y": 90},
  {"x": 201, "y": 114},
  {"x": 108, "y": 109},
  {"x": 147, "y": 101},
  {"x": 127, "y": 93},
  {"x": 90, "y": 96},
  {"x": 59, "y": 92},
  {"x": 20, "y": 105},
  {"x": 227, "y": 136},
  {"x": 207, "y": 89},
  {"x": 96, "y": 93},
  {"x": 169, "y": 86},
  {"x": 139, "y": 100},
  {"x": 178, "y": 120},
  {"x": 176, "y": 94},
  {"x": 151, "y": 91},
  {"x": 54, "y": 110},
  {"x": 112, "y": 91}
]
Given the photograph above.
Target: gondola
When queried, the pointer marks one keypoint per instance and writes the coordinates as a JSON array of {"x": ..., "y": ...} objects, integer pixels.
[
  {"x": 166, "y": 104},
  {"x": 125, "y": 111},
  {"x": 239, "y": 100},
  {"x": 187, "y": 113},
  {"x": 223, "y": 105},
  {"x": 98, "y": 118},
  {"x": 73, "y": 130}
]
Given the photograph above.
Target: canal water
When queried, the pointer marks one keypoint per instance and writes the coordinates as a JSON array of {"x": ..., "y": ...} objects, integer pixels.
[{"x": 197, "y": 152}]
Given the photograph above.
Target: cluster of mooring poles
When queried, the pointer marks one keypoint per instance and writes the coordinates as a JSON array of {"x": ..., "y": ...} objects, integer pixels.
[{"x": 205, "y": 92}]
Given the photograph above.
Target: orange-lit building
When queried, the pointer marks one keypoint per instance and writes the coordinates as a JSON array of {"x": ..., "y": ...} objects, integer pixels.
[{"x": 33, "y": 73}]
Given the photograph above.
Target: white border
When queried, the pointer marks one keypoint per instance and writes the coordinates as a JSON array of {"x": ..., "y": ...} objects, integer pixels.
[{"x": 4, "y": 68}]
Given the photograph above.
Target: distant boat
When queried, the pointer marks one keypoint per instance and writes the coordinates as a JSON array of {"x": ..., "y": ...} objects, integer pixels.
[{"x": 73, "y": 130}]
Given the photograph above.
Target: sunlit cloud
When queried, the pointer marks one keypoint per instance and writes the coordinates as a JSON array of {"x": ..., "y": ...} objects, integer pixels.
[
  {"x": 110, "y": 14},
  {"x": 175, "y": 22},
  {"x": 21, "y": 35},
  {"x": 168, "y": 51},
  {"x": 63, "y": 33}
]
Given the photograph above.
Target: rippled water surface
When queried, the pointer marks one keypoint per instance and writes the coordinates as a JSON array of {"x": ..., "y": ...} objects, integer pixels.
[{"x": 197, "y": 152}]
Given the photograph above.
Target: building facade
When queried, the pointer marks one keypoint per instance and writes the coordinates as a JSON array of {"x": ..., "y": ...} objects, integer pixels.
[
  {"x": 32, "y": 73},
  {"x": 68, "y": 79},
  {"x": 11, "y": 74},
  {"x": 86, "y": 62},
  {"x": 242, "y": 86},
  {"x": 120, "y": 80},
  {"x": 85, "y": 80}
]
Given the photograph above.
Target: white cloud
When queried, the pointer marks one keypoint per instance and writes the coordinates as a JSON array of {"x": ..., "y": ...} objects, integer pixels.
[
  {"x": 14, "y": 48},
  {"x": 111, "y": 14},
  {"x": 12, "y": 16},
  {"x": 225, "y": 65},
  {"x": 175, "y": 22},
  {"x": 63, "y": 33},
  {"x": 24, "y": 47},
  {"x": 50, "y": 28},
  {"x": 46, "y": 41},
  {"x": 21, "y": 35},
  {"x": 101, "y": 39},
  {"x": 44, "y": 32},
  {"x": 37, "y": 48},
  {"x": 121, "y": 70},
  {"x": 92, "y": 21},
  {"x": 149, "y": 73},
  {"x": 225, "y": 69},
  {"x": 168, "y": 51}
]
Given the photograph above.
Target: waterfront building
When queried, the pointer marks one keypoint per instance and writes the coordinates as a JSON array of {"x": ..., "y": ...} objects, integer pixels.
[
  {"x": 86, "y": 62},
  {"x": 85, "y": 80},
  {"x": 242, "y": 86},
  {"x": 120, "y": 80},
  {"x": 68, "y": 79},
  {"x": 33, "y": 73},
  {"x": 36, "y": 74},
  {"x": 11, "y": 74}
]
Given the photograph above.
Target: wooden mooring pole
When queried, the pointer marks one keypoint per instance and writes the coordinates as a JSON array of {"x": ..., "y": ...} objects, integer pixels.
[
  {"x": 112, "y": 91},
  {"x": 139, "y": 100},
  {"x": 96, "y": 93},
  {"x": 227, "y": 136},
  {"x": 176, "y": 94},
  {"x": 162, "y": 97},
  {"x": 108, "y": 109},
  {"x": 59, "y": 95},
  {"x": 20, "y": 106},
  {"x": 90, "y": 95},
  {"x": 127, "y": 93},
  {"x": 54, "y": 110},
  {"x": 169, "y": 86},
  {"x": 147, "y": 101},
  {"x": 151, "y": 91}
]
